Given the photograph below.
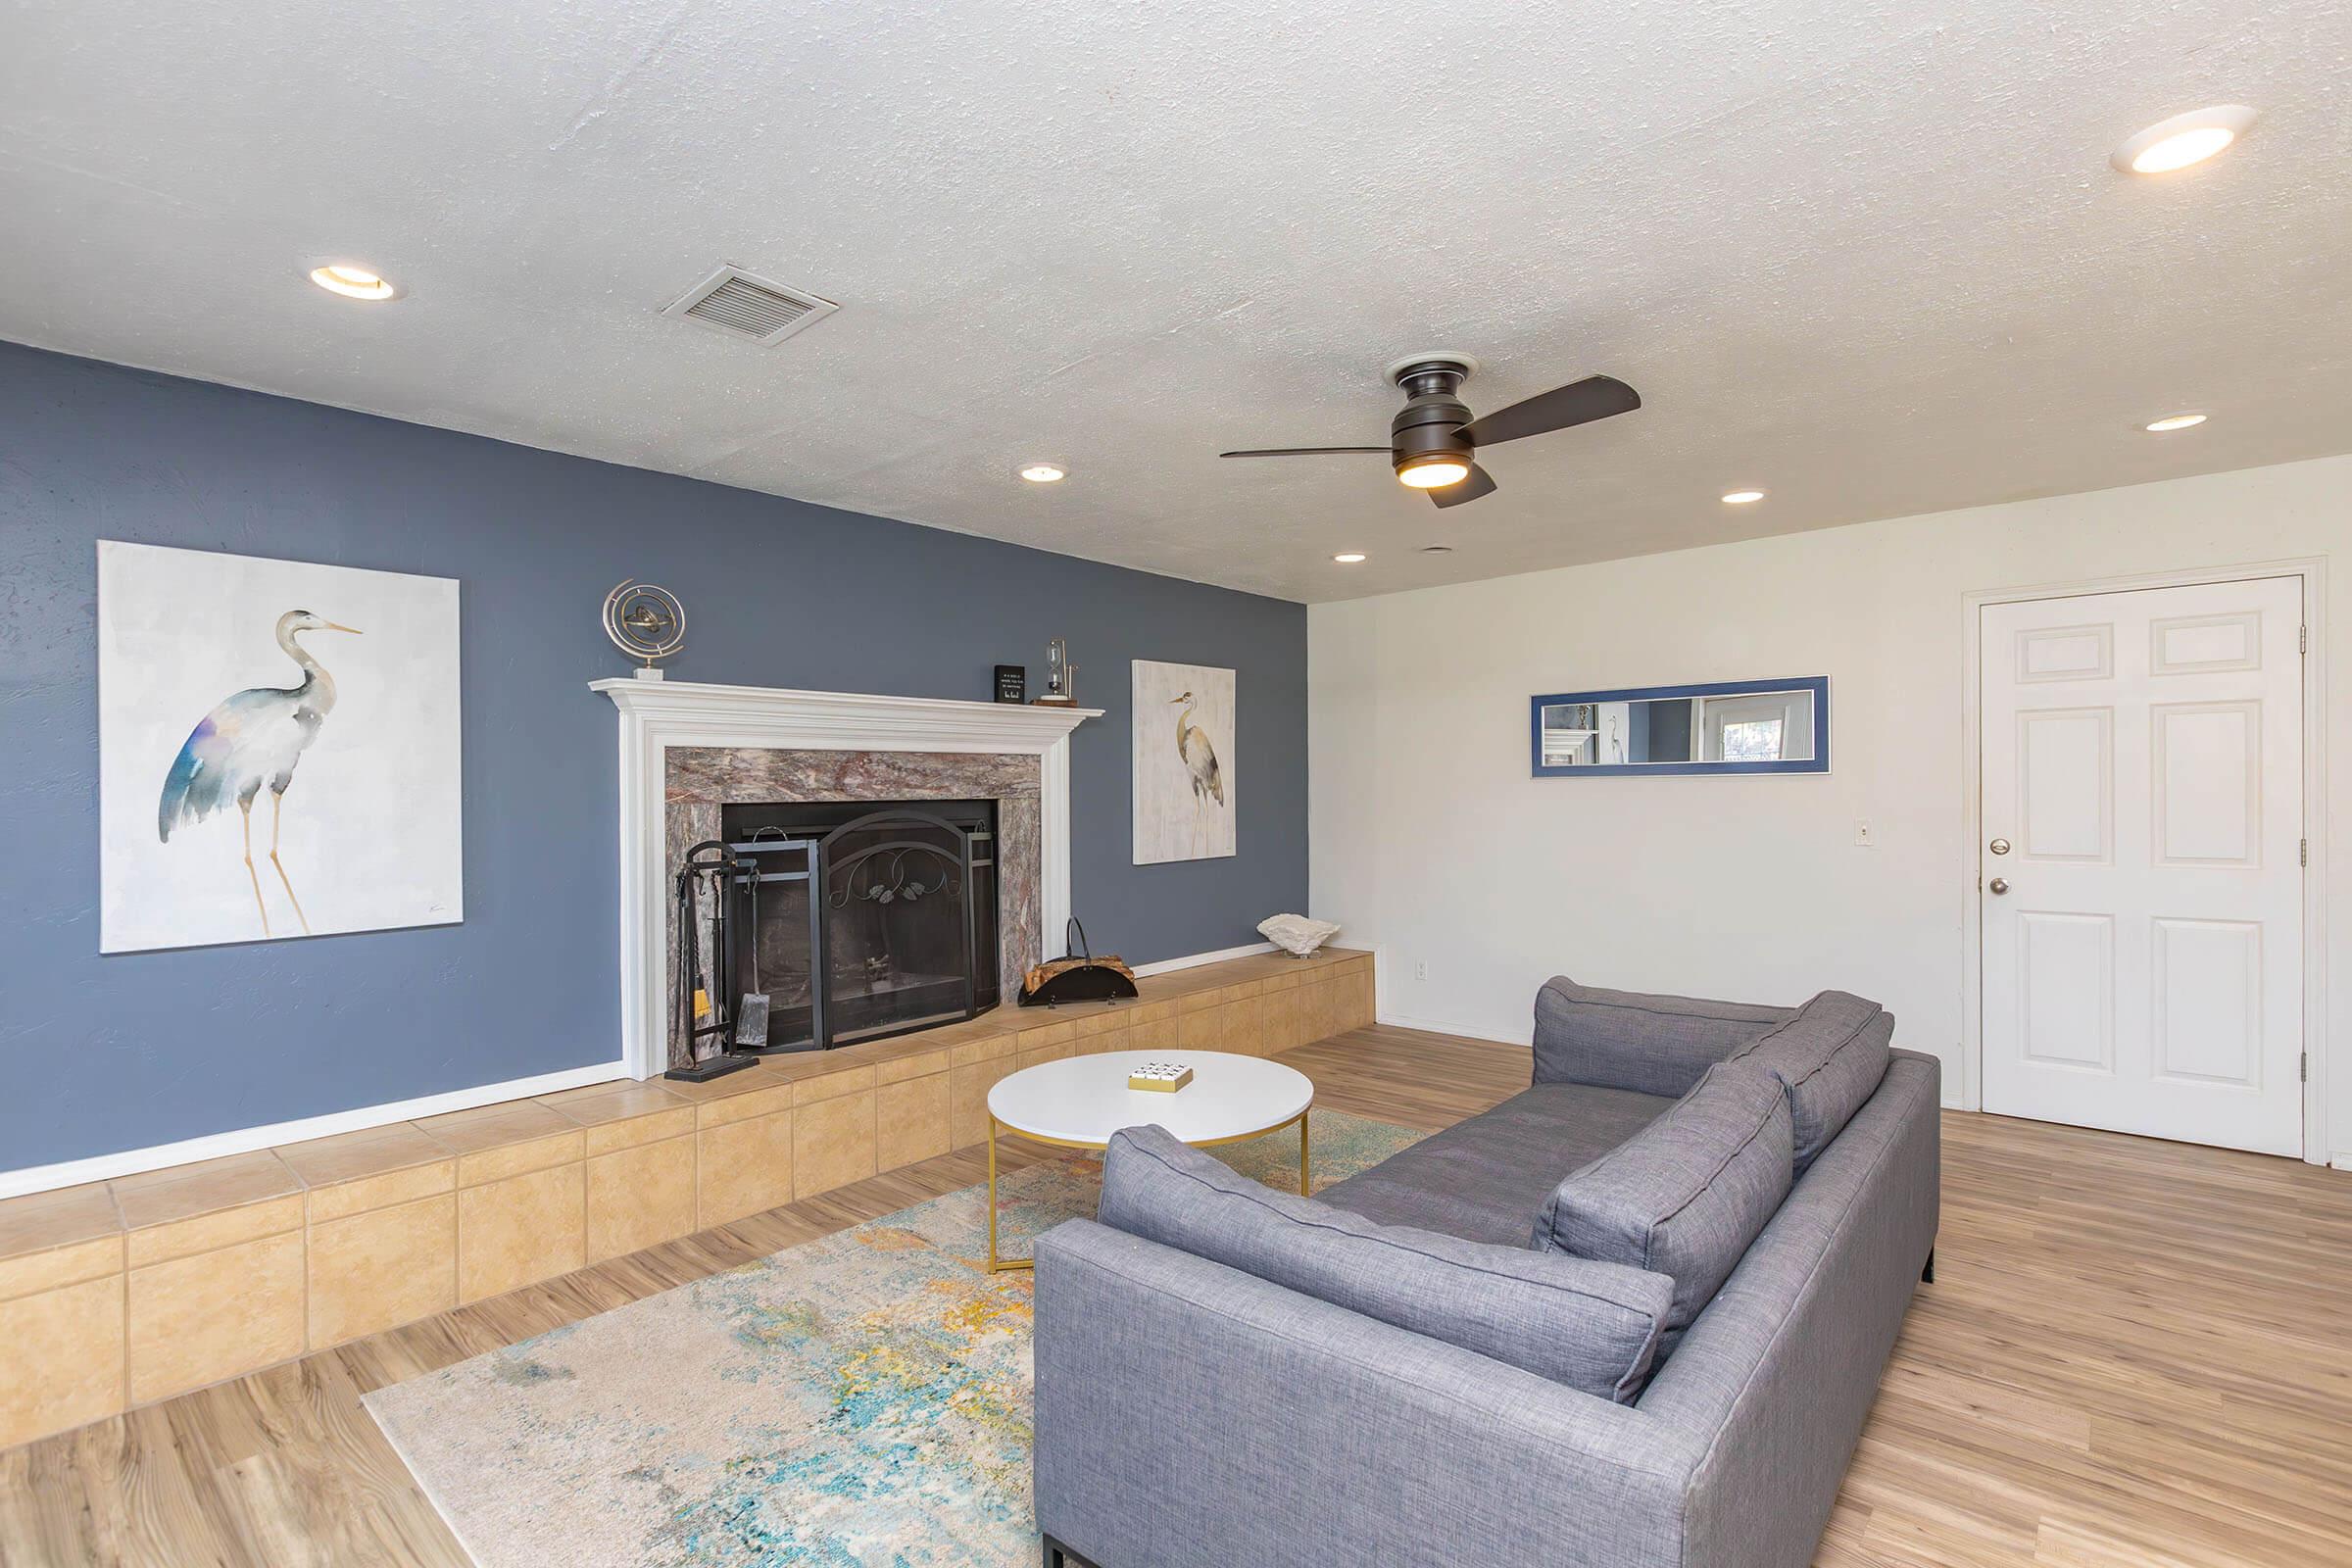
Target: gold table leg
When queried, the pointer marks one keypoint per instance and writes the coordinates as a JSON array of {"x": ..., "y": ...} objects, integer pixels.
[
  {"x": 1303, "y": 1192},
  {"x": 996, "y": 1264}
]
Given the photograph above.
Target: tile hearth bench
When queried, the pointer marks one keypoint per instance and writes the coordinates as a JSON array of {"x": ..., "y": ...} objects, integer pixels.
[{"x": 122, "y": 1292}]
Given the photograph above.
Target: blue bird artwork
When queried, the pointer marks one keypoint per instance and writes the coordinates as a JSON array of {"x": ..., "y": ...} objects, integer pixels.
[{"x": 249, "y": 741}]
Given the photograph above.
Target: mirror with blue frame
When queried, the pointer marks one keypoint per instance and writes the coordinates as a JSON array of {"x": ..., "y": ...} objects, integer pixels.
[{"x": 1738, "y": 727}]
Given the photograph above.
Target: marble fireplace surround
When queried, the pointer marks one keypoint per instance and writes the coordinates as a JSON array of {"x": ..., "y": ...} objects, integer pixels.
[
  {"x": 703, "y": 778},
  {"x": 687, "y": 749}
]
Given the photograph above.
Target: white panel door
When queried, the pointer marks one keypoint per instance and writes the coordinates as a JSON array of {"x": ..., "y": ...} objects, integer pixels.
[{"x": 2141, "y": 861}]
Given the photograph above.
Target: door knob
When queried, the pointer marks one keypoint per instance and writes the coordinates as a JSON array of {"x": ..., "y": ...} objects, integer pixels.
[
  {"x": 1997, "y": 884},
  {"x": 1998, "y": 846}
]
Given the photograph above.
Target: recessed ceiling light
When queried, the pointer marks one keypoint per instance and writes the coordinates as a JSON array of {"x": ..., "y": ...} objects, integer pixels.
[
  {"x": 2173, "y": 422},
  {"x": 1433, "y": 473},
  {"x": 1044, "y": 472},
  {"x": 1348, "y": 558},
  {"x": 353, "y": 282},
  {"x": 1437, "y": 550},
  {"x": 2183, "y": 140},
  {"x": 1742, "y": 497}
]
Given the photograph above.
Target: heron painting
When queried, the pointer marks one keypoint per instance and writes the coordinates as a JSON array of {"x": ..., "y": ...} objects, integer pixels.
[
  {"x": 340, "y": 722},
  {"x": 1183, "y": 730},
  {"x": 252, "y": 739}
]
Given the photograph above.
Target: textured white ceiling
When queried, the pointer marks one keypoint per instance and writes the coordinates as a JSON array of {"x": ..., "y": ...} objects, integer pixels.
[{"x": 1870, "y": 257}]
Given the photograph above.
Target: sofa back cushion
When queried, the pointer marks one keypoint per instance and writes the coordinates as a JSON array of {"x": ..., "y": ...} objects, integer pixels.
[
  {"x": 1653, "y": 1045},
  {"x": 1830, "y": 1057},
  {"x": 1593, "y": 1326},
  {"x": 1686, "y": 1195}
]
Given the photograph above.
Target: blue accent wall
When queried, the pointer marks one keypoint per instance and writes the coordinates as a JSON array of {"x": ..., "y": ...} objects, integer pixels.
[{"x": 102, "y": 1053}]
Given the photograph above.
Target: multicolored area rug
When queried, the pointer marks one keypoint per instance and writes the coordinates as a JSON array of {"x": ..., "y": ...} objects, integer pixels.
[{"x": 861, "y": 1399}]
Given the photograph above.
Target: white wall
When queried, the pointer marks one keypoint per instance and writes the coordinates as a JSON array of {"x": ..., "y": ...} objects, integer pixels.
[{"x": 1430, "y": 841}]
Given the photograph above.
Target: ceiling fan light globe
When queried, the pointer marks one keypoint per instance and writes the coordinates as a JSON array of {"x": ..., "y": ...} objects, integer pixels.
[{"x": 1433, "y": 473}]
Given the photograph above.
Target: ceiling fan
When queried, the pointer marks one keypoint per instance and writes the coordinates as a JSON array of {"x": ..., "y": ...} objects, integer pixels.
[{"x": 1432, "y": 441}]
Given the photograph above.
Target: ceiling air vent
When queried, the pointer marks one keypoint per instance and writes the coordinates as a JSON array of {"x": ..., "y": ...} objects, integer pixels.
[{"x": 736, "y": 303}]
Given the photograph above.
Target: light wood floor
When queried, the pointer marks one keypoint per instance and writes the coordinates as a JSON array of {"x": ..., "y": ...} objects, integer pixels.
[{"x": 2135, "y": 1352}]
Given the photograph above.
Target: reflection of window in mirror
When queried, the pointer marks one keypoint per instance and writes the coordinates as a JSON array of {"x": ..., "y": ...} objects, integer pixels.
[
  {"x": 1753, "y": 740},
  {"x": 1757, "y": 728}
]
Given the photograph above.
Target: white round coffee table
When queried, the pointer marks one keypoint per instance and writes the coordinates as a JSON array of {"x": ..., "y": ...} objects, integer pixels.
[{"x": 1079, "y": 1102}]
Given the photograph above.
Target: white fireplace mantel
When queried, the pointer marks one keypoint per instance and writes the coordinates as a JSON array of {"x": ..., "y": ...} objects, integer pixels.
[{"x": 657, "y": 714}]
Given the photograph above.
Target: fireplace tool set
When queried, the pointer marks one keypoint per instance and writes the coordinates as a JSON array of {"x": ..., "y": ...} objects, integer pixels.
[{"x": 708, "y": 1008}]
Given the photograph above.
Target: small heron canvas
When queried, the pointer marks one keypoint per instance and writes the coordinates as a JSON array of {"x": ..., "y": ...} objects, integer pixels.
[
  {"x": 278, "y": 748},
  {"x": 1183, "y": 731}
]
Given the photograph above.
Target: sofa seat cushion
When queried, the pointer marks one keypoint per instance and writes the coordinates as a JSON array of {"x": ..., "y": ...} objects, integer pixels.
[
  {"x": 1591, "y": 1325},
  {"x": 1481, "y": 1180},
  {"x": 1686, "y": 1195},
  {"x": 1829, "y": 1056},
  {"x": 1657, "y": 1044}
]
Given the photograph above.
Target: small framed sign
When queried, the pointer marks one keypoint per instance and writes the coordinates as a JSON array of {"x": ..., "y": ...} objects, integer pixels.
[{"x": 1012, "y": 683}]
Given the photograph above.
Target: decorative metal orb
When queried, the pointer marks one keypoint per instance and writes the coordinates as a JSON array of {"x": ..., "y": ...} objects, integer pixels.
[{"x": 645, "y": 621}]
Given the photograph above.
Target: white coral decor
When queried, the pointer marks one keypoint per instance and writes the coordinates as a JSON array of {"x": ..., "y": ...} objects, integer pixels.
[{"x": 1295, "y": 934}]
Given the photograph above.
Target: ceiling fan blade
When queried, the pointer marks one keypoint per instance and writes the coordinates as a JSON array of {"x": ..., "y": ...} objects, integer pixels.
[
  {"x": 1596, "y": 397},
  {"x": 1300, "y": 452},
  {"x": 1480, "y": 483}
]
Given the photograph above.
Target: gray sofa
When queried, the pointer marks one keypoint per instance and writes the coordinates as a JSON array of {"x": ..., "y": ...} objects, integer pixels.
[{"x": 1633, "y": 1317}]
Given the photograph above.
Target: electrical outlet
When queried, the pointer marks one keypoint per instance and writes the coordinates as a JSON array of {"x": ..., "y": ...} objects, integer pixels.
[
  {"x": 1421, "y": 970},
  {"x": 1863, "y": 834}
]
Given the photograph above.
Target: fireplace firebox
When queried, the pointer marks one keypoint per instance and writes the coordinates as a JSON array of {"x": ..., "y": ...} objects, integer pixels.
[{"x": 866, "y": 918}]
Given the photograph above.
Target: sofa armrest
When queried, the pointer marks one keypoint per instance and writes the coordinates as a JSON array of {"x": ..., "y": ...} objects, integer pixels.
[
  {"x": 1652, "y": 1044},
  {"x": 1188, "y": 1412}
]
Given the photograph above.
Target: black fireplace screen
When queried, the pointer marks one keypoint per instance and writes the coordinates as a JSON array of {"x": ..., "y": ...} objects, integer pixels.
[{"x": 865, "y": 919}]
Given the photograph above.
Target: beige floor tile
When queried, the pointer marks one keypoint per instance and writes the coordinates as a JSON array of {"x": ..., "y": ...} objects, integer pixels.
[
  {"x": 28, "y": 1272},
  {"x": 743, "y": 1167},
  {"x": 44, "y": 1220},
  {"x": 967, "y": 1100},
  {"x": 774, "y": 1096},
  {"x": 181, "y": 1192},
  {"x": 494, "y": 1142},
  {"x": 1324, "y": 1012},
  {"x": 381, "y": 1268},
  {"x": 624, "y": 1097},
  {"x": 346, "y": 1199},
  {"x": 911, "y": 1121},
  {"x": 832, "y": 1085},
  {"x": 914, "y": 1065},
  {"x": 223, "y": 1227},
  {"x": 832, "y": 1143},
  {"x": 525, "y": 1228},
  {"x": 355, "y": 1157},
  {"x": 218, "y": 1314},
  {"x": 615, "y": 1117},
  {"x": 63, "y": 1355},
  {"x": 1202, "y": 1029},
  {"x": 1155, "y": 1034},
  {"x": 639, "y": 1197},
  {"x": 1039, "y": 1055}
]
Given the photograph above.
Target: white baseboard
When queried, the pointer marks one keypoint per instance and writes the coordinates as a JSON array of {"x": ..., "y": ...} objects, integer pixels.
[
  {"x": 1197, "y": 959},
  {"x": 1438, "y": 1026},
  {"x": 2342, "y": 1161},
  {"x": 243, "y": 1140}
]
